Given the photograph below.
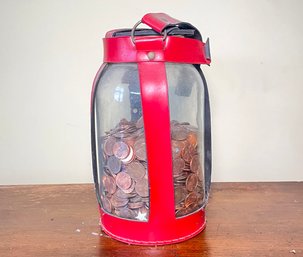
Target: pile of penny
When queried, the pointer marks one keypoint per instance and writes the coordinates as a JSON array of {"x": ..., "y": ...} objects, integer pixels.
[
  {"x": 187, "y": 169},
  {"x": 124, "y": 184},
  {"x": 125, "y": 181}
]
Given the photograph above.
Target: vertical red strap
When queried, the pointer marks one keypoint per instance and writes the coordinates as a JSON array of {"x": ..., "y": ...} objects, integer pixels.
[{"x": 155, "y": 106}]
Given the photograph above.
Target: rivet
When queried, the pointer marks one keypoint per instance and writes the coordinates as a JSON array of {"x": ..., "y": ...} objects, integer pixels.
[{"x": 151, "y": 55}]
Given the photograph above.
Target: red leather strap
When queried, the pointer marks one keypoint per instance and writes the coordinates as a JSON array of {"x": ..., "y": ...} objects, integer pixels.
[
  {"x": 159, "y": 21},
  {"x": 155, "y": 107},
  {"x": 173, "y": 49}
]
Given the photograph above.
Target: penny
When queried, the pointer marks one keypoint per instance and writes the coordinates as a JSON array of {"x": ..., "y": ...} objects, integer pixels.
[
  {"x": 118, "y": 202},
  {"x": 106, "y": 205},
  {"x": 177, "y": 147},
  {"x": 125, "y": 213},
  {"x": 135, "y": 170},
  {"x": 114, "y": 164},
  {"x": 192, "y": 138},
  {"x": 108, "y": 146},
  {"x": 136, "y": 198},
  {"x": 121, "y": 150},
  {"x": 141, "y": 152},
  {"x": 121, "y": 194},
  {"x": 135, "y": 205},
  {"x": 178, "y": 166},
  {"x": 187, "y": 153},
  {"x": 130, "y": 190},
  {"x": 123, "y": 180},
  {"x": 130, "y": 157},
  {"x": 191, "y": 182},
  {"x": 109, "y": 184},
  {"x": 195, "y": 163},
  {"x": 140, "y": 141},
  {"x": 180, "y": 194},
  {"x": 191, "y": 198},
  {"x": 141, "y": 187}
]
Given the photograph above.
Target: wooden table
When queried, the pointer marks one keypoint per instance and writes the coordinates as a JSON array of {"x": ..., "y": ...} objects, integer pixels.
[{"x": 244, "y": 219}]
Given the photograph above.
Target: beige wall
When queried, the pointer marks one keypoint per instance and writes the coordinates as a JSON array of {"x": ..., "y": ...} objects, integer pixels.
[{"x": 50, "y": 51}]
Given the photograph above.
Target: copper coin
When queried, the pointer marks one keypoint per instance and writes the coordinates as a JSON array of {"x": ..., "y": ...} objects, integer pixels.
[
  {"x": 191, "y": 182},
  {"x": 190, "y": 199},
  {"x": 141, "y": 187},
  {"x": 114, "y": 164},
  {"x": 187, "y": 153},
  {"x": 195, "y": 163},
  {"x": 141, "y": 152},
  {"x": 192, "y": 138},
  {"x": 130, "y": 190},
  {"x": 135, "y": 170},
  {"x": 125, "y": 213},
  {"x": 106, "y": 205},
  {"x": 179, "y": 133},
  {"x": 109, "y": 184},
  {"x": 178, "y": 166},
  {"x": 140, "y": 123},
  {"x": 135, "y": 199},
  {"x": 135, "y": 205},
  {"x": 108, "y": 145},
  {"x": 123, "y": 180},
  {"x": 177, "y": 147},
  {"x": 130, "y": 157},
  {"x": 139, "y": 142},
  {"x": 118, "y": 202},
  {"x": 180, "y": 194},
  {"x": 121, "y": 150},
  {"x": 121, "y": 194}
]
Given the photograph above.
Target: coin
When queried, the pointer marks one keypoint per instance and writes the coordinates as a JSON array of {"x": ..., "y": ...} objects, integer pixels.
[
  {"x": 130, "y": 190},
  {"x": 187, "y": 153},
  {"x": 109, "y": 184},
  {"x": 108, "y": 145},
  {"x": 177, "y": 147},
  {"x": 106, "y": 205},
  {"x": 191, "y": 198},
  {"x": 130, "y": 157},
  {"x": 125, "y": 213},
  {"x": 192, "y": 139},
  {"x": 118, "y": 202},
  {"x": 178, "y": 166},
  {"x": 114, "y": 164},
  {"x": 123, "y": 180},
  {"x": 191, "y": 182},
  {"x": 180, "y": 194},
  {"x": 141, "y": 187},
  {"x": 135, "y": 170},
  {"x": 141, "y": 152},
  {"x": 121, "y": 150},
  {"x": 121, "y": 194},
  {"x": 135, "y": 205},
  {"x": 195, "y": 163}
]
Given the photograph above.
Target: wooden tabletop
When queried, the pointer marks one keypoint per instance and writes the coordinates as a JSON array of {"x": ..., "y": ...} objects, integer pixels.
[{"x": 243, "y": 219}]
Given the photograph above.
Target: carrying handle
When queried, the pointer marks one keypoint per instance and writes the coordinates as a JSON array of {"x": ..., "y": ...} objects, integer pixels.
[{"x": 159, "y": 21}]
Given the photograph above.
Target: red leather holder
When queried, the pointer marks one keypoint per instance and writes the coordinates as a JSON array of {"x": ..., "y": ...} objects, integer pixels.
[{"x": 162, "y": 226}]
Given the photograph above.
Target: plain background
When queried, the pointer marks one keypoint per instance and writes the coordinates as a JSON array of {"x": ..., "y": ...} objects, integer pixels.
[{"x": 51, "y": 49}]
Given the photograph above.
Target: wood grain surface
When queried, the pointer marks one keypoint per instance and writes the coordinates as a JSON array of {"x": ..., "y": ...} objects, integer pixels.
[{"x": 243, "y": 219}]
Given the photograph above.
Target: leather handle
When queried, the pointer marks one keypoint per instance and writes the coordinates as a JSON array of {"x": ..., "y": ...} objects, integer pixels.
[{"x": 159, "y": 21}]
